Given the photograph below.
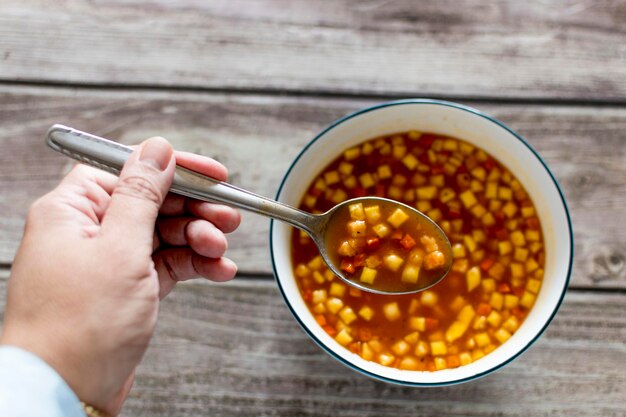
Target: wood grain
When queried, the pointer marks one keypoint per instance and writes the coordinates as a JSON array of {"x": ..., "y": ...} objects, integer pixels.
[
  {"x": 234, "y": 349},
  {"x": 584, "y": 146},
  {"x": 532, "y": 49}
]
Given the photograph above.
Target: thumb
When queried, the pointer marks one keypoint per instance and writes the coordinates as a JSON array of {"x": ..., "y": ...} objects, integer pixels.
[{"x": 140, "y": 191}]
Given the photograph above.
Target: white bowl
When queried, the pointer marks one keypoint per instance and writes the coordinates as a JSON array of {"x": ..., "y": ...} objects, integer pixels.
[{"x": 464, "y": 123}]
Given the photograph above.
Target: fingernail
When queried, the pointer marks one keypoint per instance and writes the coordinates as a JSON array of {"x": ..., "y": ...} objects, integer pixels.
[{"x": 156, "y": 152}]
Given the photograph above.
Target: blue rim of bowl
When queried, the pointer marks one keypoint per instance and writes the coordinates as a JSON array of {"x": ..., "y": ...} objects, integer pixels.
[{"x": 396, "y": 381}]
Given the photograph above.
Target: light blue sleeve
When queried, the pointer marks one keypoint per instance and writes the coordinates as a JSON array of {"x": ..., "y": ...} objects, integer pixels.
[{"x": 29, "y": 387}]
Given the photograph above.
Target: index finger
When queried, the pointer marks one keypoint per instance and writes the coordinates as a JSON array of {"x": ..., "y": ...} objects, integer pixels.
[{"x": 202, "y": 164}]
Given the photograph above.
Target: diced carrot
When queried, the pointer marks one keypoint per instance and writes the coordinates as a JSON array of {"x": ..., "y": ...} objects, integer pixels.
[
  {"x": 532, "y": 223},
  {"x": 354, "y": 347},
  {"x": 379, "y": 190},
  {"x": 489, "y": 164},
  {"x": 486, "y": 264},
  {"x": 454, "y": 213},
  {"x": 504, "y": 288},
  {"x": 347, "y": 266},
  {"x": 431, "y": 324},
  {"x": 359, "y": 260},
  {"x": 483, "y": 309},
  {"x": 320, "y": 319},
  {"x": 519, "y": 291},
  {"x": 330, "y": 330},
  {"x": 436, "y": 170},
  {"x": 518, "y": 312},
  {"x": 373, "y": 243},
  {"x": 308, "y": 294},
  {"x": 408, "y": 242},
  {"x": 502, "y": 234},
  {"x": 355, "y": 292},
  {"x": 430, "y": 366},
  {"x": 365, "y": 334},
  {"x": 453, "y": 361}
]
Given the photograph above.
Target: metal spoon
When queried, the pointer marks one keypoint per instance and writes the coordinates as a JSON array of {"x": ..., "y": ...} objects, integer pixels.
[{"x": 111, "y": 156}]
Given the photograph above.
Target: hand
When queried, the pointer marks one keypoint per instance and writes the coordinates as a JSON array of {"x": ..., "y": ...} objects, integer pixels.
[{"x": 97, "y": 255}]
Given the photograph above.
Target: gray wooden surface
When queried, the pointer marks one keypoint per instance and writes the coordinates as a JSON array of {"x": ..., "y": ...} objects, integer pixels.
[{"x": 249, "y": 83}]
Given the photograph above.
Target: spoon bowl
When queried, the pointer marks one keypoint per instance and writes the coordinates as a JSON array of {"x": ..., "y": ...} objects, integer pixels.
[{"x": 111, "y": 156}]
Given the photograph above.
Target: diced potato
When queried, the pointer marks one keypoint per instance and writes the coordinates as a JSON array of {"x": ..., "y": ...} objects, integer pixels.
[
  {"x": 310, "y": 201},
  {"x": 366, "y": 352},
  {"x": 455, "y": 331},
  {"x": 438, "y": 348},
  {"x": 334, "y": 305},
  {"x": 533, "y": 285},
  {"x": 466, "y": 148},
  {"x": 482, "y": 339},
  {"x": 412, "y": 338},
  {"x": 489, "y": 285},
  {"x": 479, "y": 173},
  {"x": 505, "y": 247},
  {"x": 352, "y": 153},
  {"x": 477, "y": 354},
  {"x": 470, "y": 243},
  {"x": 446, "y": 195},
  {"x": 502, "y": 335},
  {"x": 366, "y": 313},
  {"x": 423, "y": 206},
  {"x": 440, "y": 363},
  {"x": 494, "y": 318},
  {"x": 460, "y": 265},
  {"x": 393, "y": 262},
  {"x": 532, "y": 235},
  {"x": 410, "y": 273},
  {"x": 480, "y": 323},
  {"x": 384, "y": 172},
  {"x": 316, "y": 263},
  {"x": 398, "y": 151},
  {"x": 521, "y": 254},
  {"x": 394, "y": 193},
  {"x": 422, "y": 349},
  {"x": 435, "y": 215},
  {"x": 429, "y": 243},
  {"x": 479, "y": 235},
  {"x": 381, "y": 230},
  {"x": 414, "y": 135},
  {"x": 417, "y": 323},
  {"x": 376, "y": 345},
  {"x": 386, "y": 359},
  {"x": 494, "y": 174},
  {"x": 437, "y": 180},
  {"x": 479, "y": 211},
  {"x": 505, "y": 193},
  {"x": 466, "y": 314},
  {"x": 473, "y": 278},
  {"x": 468, "y": 199},
  {"x": 497, "y": 300},
  {"x": 517, "y": 270},
  {"x": 347, "y": 315},
  {"x": 367, "y": 180},
  {"x": 457, "y": 303},
  {"x": 476, "y": 186},
  {"x": 350, "y": 182},
  {"x": 518, "y": 238},
  {"x": 337, "y": 289},
  {"x": 535, "y": 247},
  {"x": 488, "y": 219},
  {"x": 491, "y": 192},
  {"x": 497, "y": 271},
  {"x": 511, "y": 324},
  {"x": 409, "y": 195},
  {"x": 318, "y": 277},
  {"x": 345, "y": 249},
  {"x": 372, "y": 214},
  {"x": 356, "y": 228},
  {"x": 391, "y": 311},
  {"x": 373, "y": 261},
  {"x": 509, "y": 209},
  {"x": 339, "y": 196},
  {"x": 528, "y": 211},
  {"x": 416, "y": 256},
  {"x": 458, "y": 250},
  {"x": 319, "y": 296},
  {"x": 368, "y": 275},
  {"x": 345, "y": 168},
  {"x": 531, "y": 265},
  {"x": 510, "y": 301},
  {"x": 302, "y": 271},
  {"x": 397, "y": 218},
  {"x": 319, "y": 308},
  {"x": 399, "y": 180},
  {"x": 410, "y": 161},
  {"x": 465, "y": 358},
  {"x": 400, "y": 348},
  {"x": 331, "y": 177},
  {"x": 434, "y": 260},
  {"x": 343, "y": 337},
  {"x": 409, "y": 364},
  {"x": 356, "y": 211},
  {"x": 429, "y": 298},
  {"x": 426, "y": 193}
]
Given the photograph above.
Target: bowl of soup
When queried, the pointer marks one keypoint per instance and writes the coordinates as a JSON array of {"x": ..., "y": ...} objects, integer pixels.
[{"x": 484, "y": 186}]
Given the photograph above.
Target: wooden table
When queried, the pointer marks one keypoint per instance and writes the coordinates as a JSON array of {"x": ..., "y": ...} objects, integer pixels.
[{"x": 249, "y": 82}]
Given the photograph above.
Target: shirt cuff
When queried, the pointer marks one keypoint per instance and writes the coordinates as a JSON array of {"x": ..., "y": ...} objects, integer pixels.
[{"x": 31, "y": 387}]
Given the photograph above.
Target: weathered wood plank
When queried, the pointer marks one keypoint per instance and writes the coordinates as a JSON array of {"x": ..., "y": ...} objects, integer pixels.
[
  {"x": 452, "y": 48},
  {"x": 258, "y": 136},
  {"x": 234, "y": 349}
]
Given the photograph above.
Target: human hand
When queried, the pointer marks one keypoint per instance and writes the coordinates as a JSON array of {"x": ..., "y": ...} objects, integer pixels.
[{"x": 97, "y": 254}]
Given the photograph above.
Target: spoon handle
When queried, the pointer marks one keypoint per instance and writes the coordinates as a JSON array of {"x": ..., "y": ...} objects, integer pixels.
[{"x": 110, "y": 156}]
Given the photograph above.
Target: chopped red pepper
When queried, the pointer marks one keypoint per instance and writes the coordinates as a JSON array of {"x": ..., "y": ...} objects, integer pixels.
[
  {"x": 407, "y": 242},
  {"x": 504, "y": 288},
  {"x": 431, "y": 324},
  {"x": 489, "y": 164},
  {"x": 436, "y": 170},
  {"x": 379, "y": 190},
  {"x": 365, "y": 334},
  {"x": 373, "y": 243},
  {"x": 502, "y": 234},
  {"x": 532, "y": 223},
  {"x": 347, "y": 266},
  {"x": 308, "y": 294},
  {"x": 330, "y": 330},
  {"x": 359, "y": 192},
  {"x": 486, "y": 264},
  {"x": 359, "y": 260},
  {"x": 397, "y": 235},
  {"x": 320, "y": 319},
  {"x": 483, "y": 309}
]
